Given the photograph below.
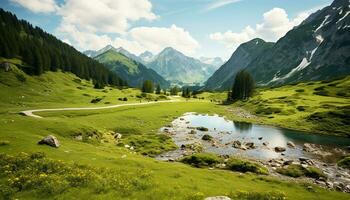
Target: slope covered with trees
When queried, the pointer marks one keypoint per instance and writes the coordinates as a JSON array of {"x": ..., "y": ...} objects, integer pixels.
[{"x": 42, "y": 52}]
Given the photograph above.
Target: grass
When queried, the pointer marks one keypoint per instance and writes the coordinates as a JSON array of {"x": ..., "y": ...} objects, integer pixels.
[
  {"x": 242, "y": 165},
  {"x": 302, "y": 106},
  {"x": 202, "y": 160},
  {"x": 345, "y": 162},
  {"x": 110, "y": 169}
]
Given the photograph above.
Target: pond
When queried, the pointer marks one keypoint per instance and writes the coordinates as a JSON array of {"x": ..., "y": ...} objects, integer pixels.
[{"x": 265, "y": 138}]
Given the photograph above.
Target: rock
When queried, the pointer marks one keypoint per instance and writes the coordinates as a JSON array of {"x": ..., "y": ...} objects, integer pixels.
[
  {"x": 249, "y": 145},
  {"x": 192, "y": 132},
  {"x": 127, "y": 146},
  {"x": 118, "y": 136},
  {"x": 237, "y": 144},
  {"x": 182, "y": 119},
  {"x": 290, "y": 144},
  {"x": 308, "y": 147},
  {"x": 288, "y": 162},
  {"x": 280, "y": 149},
  {"x": 78, "y": 137},
  {"x": 304, "y": 166},
  {"x": 329, "y": 184},
  {"x": 303, "y": 159},
  {"x": 218, "y": 198},
  {"x": 166, "y": 130},
  {"x": 265, "y": 143},
  {"x": 310, "y": 188},
  {"x": 183, "y": 147},
  {"x": 207, "y": 137},
  {"x": 171, "y": 160},
  {"x": 131, "y": 148},
  {"x": 201, "y": 128},
  {"x": 50, "y": 140},
  {"x": 260, "y": 138}
]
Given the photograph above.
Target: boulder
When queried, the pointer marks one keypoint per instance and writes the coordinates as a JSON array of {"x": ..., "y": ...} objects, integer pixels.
[
  {"x": 260, "y": 138},
  {"x": 201, "y": 128},
  {"x": 207, "y": 137},
  {"x": 249, "y": 145},
  {"x": 280, "y": 149},
  {"x": 192, "y": 132},
  {"x": 118, "y": 136},
  {"x": 265, "y": 143},
  {"x": 237, "y": 144},
  {"x": 290, "y": 144},
  {"x": 303, "y": 159},
  {"x": 218, "y": 198},
  {"x": 50, "y": 140},
  {"x": 308, "y": 147}
]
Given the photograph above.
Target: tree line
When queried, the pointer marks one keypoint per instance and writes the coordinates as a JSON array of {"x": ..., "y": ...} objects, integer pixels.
[{"x": 41, "y": 51}]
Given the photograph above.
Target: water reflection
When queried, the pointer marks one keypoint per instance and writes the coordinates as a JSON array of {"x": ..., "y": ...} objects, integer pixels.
[{"x": 243, "y": 126}]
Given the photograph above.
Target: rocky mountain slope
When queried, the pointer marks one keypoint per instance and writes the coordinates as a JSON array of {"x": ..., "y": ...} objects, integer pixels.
[
  {"x": 223, "y": 78},
  {"x": 92, "y": 53},
  {"x": 317, "y": 49},
  {"x": 131, "y": 71}
]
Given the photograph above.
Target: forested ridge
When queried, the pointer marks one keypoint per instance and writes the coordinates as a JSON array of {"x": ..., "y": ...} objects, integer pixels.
[{"x": 42, "y": 52}]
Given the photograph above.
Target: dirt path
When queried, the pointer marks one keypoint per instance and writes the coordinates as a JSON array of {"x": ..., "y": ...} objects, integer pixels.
[{"x": 30, "y": 113}]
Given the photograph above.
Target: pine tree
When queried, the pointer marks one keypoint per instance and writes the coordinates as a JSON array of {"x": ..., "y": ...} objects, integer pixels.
[
  {"x": 243, "y": 86},
  {"x": 158, "y": 90}
]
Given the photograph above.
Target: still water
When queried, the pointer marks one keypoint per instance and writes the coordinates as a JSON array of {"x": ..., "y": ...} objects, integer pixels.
[{"x": 225, "y": 131}]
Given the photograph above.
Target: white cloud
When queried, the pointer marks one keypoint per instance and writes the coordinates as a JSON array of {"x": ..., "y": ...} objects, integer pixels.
[
  {"x": 105, "y": 16},
  {"x": 38, "y": 6},
  {"x": 156, "y": 39},
  {"x": 275, "y": 25},
  {"x": 219, "y": 4}
]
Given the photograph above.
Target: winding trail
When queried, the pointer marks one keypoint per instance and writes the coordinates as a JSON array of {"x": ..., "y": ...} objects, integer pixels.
[{"x": 30, "y": 113}]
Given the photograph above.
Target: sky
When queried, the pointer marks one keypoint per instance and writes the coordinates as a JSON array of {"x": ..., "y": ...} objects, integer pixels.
[{"x": 209, "y": 28}]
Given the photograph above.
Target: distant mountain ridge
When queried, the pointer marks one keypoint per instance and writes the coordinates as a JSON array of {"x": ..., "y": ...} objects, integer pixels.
[
  {"x": 92, "y": 53},
  {"x": 179, "y": 68},
  {"x": 130, "y": 70}
]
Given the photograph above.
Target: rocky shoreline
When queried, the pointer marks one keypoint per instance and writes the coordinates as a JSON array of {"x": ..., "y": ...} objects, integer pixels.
[{"x": 195, "y": 139}]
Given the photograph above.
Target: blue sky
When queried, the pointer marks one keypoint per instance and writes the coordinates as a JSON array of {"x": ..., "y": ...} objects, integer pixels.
[{"x": 196, "y": 27}]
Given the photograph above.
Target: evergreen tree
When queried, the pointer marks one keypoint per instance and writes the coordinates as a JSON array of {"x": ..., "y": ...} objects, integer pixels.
[
  {"x": 243, "y": 86},
  {"x": 147, "y": 86},
  {"x": 158, "y": 90}
]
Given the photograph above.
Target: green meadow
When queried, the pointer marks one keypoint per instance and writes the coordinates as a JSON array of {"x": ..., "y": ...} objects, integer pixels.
[{"x": 99, "y": 167}]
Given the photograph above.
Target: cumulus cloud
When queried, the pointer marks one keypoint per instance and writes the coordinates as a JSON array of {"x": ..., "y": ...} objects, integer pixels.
[
  {"x": 38, "y": 6},
  {"x": 106, "y": 16},
  {"x": 157, "y": 38},
  {"x": 275, "y": 24}
]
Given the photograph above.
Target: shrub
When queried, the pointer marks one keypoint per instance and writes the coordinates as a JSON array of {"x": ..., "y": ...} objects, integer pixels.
[
  {"x": 125, "y": 99},
  {"x": 4, "y": 142},
  {"x": 21, "y": 77},
  {"x": 300, "y": 90},
  {"x": 345, "y": 162},
  {"x": 96, "y": 100},
  {"x": 202, "y": 159},
  {"x": 292, "y": 171},
  {"x": 301, "y": 108},
  {"x": 321, "y": 93},
  {"x": 314, "y": 172},
  {"x": 240, "y": 165},
  {"x": 207, "y": 137},
  {"x": 268, "y": 110}
]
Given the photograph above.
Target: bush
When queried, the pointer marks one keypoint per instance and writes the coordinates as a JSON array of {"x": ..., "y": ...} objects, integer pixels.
[
  {"x": 301, "y": 108},
  {"x": 292, "y": 171},
  {"x": 298, "y": 171},
  {"x": 21, "y": 77},
  {"x": 268, "y": 110},
  {"x": 96, "y": 100},
  {"x": 4, "y": 142},
  {"x": 236, "y": 164},
  {"x": 125, "y": 99},
  {"x": 207, "y": 137},
  {"x": 321, "y": 93},
  {"x": 314, "y": 172},
  {"x": 345, "y": 162},
  {"x": 202, "y": 159},
  {"x": 300, "y": 90}
]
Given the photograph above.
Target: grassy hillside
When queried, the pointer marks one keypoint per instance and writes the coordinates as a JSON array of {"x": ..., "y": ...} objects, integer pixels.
[
  {"x": 95, "y": 167},
  {"x": 319, "y": 107}
]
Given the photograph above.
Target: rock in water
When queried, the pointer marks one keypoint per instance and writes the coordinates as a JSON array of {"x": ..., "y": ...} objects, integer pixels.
[
  {"x": 280, "y": 149},
  {"x": 290, "y": 144},
  {"x": 218, "y": 198},
  {"x": 50, "y": 140}
]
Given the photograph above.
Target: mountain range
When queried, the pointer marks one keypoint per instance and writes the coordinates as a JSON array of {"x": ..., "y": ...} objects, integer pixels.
[
  {"x": 173, "y": 65},
  {"x": 179, "y": 68},
  {"x": 130, "y": 70},
  {"x": 317, "y": 49}
]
